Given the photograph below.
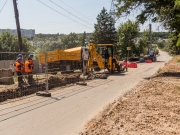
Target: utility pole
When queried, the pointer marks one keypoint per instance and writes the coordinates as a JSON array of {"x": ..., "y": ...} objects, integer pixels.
[
  {"x": 18, "y": 26},
  {"x": 150, "y": 46},
  {"x": 128, "y": 47},
  {"x": 84, "y": 38}
]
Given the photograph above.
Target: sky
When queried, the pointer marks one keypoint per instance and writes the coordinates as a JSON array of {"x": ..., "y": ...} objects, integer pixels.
[{"x": 58, "y": 16}]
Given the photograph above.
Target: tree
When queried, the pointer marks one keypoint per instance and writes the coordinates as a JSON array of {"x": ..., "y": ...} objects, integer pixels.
[
  {"x": 164, "y": 11},
  {"x": 50, "y": 46},
  {"x": 144, "y": 42},
  {"x": 127, "y": 32},
  {"x": 105, "y": 31},
  {"x": 161, "y": 45},
  {"x": 70, "y": 41},
  {"x": 9, "y": 43}
]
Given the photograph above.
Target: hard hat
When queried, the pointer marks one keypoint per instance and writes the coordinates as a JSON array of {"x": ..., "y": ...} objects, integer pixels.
[
  {"x": 19, "y": 55},
  {"x": 31, "y": 55},
  {"x": 19, "y": 59}
]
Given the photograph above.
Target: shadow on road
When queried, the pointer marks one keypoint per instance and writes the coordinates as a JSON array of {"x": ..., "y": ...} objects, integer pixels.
[
  {"x": 147, "y": 78},
  {"x": 117, "y": 74},
  {"x": 160, "y": 61}
]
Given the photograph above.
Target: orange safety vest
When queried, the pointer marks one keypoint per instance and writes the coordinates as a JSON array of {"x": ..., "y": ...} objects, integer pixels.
[
  {"x": 28, "y": 67},
  {"x": 31, "y": 61},
  {"x": 19, "y": 67}
]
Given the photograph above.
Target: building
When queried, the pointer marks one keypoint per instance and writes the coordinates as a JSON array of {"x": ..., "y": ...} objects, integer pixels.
[{"x": 28, "y": 33}]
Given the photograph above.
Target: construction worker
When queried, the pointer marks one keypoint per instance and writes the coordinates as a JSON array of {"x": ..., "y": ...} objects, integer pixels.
[
  {"x": 29, "y": 68},
  {"x": 105, "y": 53},
  {"x": 19, "y": 56},
  {"x": 31, "y": 60},
  {"x": 19, "y": 69}
]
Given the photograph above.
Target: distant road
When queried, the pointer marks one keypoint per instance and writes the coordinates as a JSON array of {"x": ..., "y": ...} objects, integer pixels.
[{"x": 69, "y": 109}]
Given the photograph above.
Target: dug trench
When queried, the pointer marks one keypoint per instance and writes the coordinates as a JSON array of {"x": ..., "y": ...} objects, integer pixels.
[{"x": 60, "y": 80}]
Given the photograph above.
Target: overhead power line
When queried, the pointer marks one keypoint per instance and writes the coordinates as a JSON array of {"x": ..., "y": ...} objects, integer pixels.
[
  {"x": 75, "y": 10},
  {"x": 3, "y": 6},
  {"x": 70, "y": 13},
  {"x": 62, "y": 14}
]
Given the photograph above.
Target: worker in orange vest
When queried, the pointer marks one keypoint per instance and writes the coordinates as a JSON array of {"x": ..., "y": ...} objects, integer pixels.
[
  {"x": 19, "y": 69},
  {"x": 19, "y": 56},
  {"x": 28, "y": 70},
  {"x": 31, "y": 60},
  {"x": 29, "y": 65}
]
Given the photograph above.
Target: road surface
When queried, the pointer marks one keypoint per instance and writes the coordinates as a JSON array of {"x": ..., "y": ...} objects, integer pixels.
[{"x": 69, "y": 109}]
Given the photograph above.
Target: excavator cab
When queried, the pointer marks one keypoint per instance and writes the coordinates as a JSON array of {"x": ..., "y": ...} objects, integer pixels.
[
  {"x": 103, "y": 58},
  {"x": 106, "y": 51},
  {"x": 111, "y": 63}
]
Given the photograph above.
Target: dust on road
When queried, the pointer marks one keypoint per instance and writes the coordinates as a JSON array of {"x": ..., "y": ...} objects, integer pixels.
[{"x": 154, "y": 109}]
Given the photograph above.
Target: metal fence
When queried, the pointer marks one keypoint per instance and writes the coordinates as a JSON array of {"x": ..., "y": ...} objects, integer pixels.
[{"x": 50, "y": 71}]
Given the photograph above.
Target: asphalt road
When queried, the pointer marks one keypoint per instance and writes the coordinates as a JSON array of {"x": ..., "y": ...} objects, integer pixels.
[{"x": 69, "y": 109}]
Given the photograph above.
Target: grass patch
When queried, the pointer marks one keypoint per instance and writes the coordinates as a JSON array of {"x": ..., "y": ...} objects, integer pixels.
[
  {"x": 159, "y": 70},
  {"x": 178, "y": 60},
  {"x": 177, "y": 87}
]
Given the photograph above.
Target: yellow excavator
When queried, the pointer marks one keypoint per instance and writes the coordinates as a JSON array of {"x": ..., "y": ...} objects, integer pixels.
[
  {"x": 73, "y": 58},
  {"x": 104, "y": 58}
]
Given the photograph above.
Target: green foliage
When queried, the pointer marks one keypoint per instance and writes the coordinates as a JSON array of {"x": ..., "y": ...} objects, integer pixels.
[
  {"x": 164, "y": 35},
  {"x": 173, "y": 48},
  {"x": 45, "y": 37},
  {"x": 9, "y": 43},
  {"x": 178, "y": 41},
  {"x": 105, "y": 31},
  {"x": 144, "y": 42},
  {"x": 66, "y": 41},
  {"x": 158, "y": 10},
  {"x": 159, "y": 70},
  {"x": 127, "y": 32},
  {"x": 70, "y": 41},
  {"x": 166, "y": 12},
  {"x": 177, "y": 3},
  {"x": 178, "y": 60},
  {"x": 161, "y": 45},
  {"x": 50, "y": 46}
]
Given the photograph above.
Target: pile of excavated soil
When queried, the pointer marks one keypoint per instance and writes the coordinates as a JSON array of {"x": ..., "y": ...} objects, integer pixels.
[
  {"x": 154, "y": 109},
  {"x": 13, "y": 91},
  {"x": 62, "y": 80}
]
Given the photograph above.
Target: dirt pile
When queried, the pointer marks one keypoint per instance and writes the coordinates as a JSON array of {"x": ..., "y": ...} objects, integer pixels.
[
  {"x": 13, "y": 91},
  {"x": 62, "y": 80},
  {"x": 153, "y": 110}
]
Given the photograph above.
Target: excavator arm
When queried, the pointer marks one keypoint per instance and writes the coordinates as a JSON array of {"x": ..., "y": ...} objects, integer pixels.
[{"x": 95, "y": 56}]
